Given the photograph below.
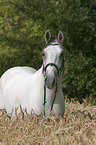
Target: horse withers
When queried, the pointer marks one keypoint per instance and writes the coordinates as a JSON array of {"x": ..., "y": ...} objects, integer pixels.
[{"x": 38, "y": 90}]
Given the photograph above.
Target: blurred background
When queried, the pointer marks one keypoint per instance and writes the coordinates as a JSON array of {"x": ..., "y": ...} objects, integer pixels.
[{"x": 22, "y": 28}]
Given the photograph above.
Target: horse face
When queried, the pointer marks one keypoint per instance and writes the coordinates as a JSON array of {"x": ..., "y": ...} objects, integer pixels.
[{"x": 53, "y": 57}]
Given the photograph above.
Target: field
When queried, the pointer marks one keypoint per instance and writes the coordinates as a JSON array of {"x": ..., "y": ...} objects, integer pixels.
[{"x": 77, "y": 127}]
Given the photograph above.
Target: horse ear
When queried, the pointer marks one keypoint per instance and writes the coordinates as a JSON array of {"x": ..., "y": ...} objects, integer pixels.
[
  {"x": 60, "y": 36},
  {"x": 47, "y": 36}
]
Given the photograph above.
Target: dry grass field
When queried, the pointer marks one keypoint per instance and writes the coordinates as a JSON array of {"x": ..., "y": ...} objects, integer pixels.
[{"x": 77, "y": 127}]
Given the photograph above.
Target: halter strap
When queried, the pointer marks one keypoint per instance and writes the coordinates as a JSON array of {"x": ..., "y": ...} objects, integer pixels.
[
  {"x": 50, "y": 64},
  {"x": 44, "y": 71},
  {"x": 45, "y": 98},
  {"x": 54, "y": 98}
]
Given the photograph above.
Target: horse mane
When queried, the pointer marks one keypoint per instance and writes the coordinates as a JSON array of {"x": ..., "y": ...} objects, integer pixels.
[{"x": 52, "y": 39}]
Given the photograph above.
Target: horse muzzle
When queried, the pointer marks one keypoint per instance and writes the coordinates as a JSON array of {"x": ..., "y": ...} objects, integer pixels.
[
  {"x": 50, "y": 72},
  {"x": 50, "y": 82}
]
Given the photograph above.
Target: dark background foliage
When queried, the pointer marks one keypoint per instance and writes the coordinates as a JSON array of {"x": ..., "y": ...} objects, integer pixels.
[{"x": 22, "y": 27}]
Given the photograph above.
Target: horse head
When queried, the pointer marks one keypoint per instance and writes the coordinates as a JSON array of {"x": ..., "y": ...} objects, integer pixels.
[{"x": 53, "y": 58}]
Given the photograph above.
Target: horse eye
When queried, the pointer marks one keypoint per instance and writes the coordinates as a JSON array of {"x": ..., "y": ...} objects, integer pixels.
[{"x": 43, "y": 54}]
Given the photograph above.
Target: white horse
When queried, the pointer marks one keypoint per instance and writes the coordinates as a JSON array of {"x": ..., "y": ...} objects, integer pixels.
[{"x": 38, "y": 90}]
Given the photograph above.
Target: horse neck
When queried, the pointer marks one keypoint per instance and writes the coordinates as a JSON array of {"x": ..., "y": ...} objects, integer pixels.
[{"x": 59, "y": 82}]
